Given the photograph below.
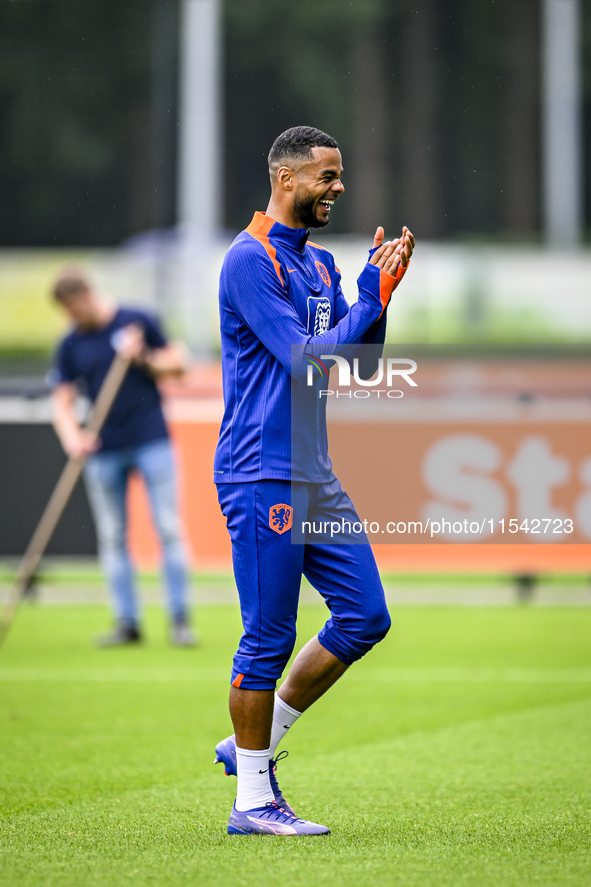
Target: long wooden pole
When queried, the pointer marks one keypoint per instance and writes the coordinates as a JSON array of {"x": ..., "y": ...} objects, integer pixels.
[{"x": 60, "y": 496}]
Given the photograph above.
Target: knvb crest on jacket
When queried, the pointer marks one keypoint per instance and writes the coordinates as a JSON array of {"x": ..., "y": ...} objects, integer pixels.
[{"x": 321, "y": 268}]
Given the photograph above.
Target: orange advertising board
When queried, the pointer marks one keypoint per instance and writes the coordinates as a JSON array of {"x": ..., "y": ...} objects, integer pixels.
[
  {"x": 398, "y": 458},
  {"x": 500, "y": 483}
]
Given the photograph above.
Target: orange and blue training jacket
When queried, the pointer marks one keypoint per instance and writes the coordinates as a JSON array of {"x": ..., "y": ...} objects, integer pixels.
[{"x": 281, "y": 307}]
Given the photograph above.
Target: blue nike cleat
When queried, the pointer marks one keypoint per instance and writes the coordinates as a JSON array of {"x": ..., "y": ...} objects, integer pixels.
[
  {"x": 225, "y": 753},
  {"x": 271, "y": 820},
  {"x": 278, "y": 794}
]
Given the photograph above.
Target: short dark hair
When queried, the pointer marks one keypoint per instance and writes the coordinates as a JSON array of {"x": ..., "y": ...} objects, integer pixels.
[
  {"x": 71, "y": 282},
  {"x": 297, "y": 143}
]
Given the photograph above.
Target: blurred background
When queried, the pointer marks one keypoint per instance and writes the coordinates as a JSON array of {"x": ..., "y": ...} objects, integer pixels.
[
  {"x": 135, "y": 133},
  {"x": 133, "y": 140}
]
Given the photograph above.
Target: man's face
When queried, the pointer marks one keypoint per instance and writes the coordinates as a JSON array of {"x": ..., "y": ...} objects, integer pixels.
[
  {"x": 82, "y": 309},
  {"x": 318, "y": 186}
]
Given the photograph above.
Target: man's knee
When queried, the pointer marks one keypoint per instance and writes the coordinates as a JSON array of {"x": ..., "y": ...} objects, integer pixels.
[
  {"x": 111, "y": 536},
  {"x": 351, "y": 638},
  {"x": 376, "y": 625},
  {"x": 169, "y": 530}
]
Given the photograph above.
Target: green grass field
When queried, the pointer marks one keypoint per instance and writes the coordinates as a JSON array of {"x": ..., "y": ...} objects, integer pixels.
[{"x": 457, "y": 753}]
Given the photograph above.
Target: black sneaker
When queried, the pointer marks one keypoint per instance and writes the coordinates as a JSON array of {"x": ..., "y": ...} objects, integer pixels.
[
  {"x": 123, "y": 633},
  {"x": 182, "y": 635}
]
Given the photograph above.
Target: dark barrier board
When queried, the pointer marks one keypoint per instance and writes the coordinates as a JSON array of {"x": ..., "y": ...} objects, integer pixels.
[{"x": 31, "y": 460}]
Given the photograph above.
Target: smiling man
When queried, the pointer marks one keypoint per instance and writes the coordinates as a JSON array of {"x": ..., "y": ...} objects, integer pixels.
[{"x": 278, "y": 290}]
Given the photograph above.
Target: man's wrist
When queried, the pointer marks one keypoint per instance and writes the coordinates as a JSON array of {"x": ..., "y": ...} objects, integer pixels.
[{"x": 144, "y": 360}]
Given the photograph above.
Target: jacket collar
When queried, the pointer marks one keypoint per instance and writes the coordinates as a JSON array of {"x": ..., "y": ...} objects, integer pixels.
[{"x": 263, "y": 225}]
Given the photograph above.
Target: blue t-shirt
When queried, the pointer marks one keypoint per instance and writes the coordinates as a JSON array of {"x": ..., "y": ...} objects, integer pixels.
[
  {"x": 280, "y": 302},
  {"x": 84, "y": 358}
]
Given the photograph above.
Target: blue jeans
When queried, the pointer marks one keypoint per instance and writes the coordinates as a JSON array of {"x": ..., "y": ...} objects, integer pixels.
[{"x": 106, "y": 475}]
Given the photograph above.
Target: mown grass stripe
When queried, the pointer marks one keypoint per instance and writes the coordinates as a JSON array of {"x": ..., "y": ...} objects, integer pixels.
[{"x": 391, "y": 675}]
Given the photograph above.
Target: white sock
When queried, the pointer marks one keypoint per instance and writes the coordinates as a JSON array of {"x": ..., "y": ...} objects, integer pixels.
[
  {"x": 284, "y": 716},
  {"x": 254, "y": 788}
]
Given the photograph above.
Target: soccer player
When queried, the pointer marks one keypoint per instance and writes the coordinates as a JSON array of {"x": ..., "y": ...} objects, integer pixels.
[
  {"x": 278, "y": 290},
  {"x": 134, "y": 438}
]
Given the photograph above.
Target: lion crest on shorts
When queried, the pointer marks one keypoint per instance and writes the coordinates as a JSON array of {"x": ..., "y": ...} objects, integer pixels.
[{"x": 280, "y": 517}]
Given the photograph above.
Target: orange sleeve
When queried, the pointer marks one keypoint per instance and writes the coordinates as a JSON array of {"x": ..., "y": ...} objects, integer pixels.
[{"x": 389, "y": 282}]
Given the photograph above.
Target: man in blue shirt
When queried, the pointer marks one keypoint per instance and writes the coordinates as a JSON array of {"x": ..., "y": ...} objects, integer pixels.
[
  {"x": 134, "y": 438},
  {"x": 281, "y": 306}
]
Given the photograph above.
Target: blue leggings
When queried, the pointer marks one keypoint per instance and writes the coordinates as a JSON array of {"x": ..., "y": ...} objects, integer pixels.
[{"x": 268, "y": 568}]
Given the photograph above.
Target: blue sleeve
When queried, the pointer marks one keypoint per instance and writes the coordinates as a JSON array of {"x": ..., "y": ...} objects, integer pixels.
[
  {"x": 369, "y": 357},
  {"x": 64, "y": 369},
  {"x": 374, "y": 335},
  {"x": 257, "y": 295},
  {"x": 153, "y": 334},
  {"x": 341, "y": 306}
]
